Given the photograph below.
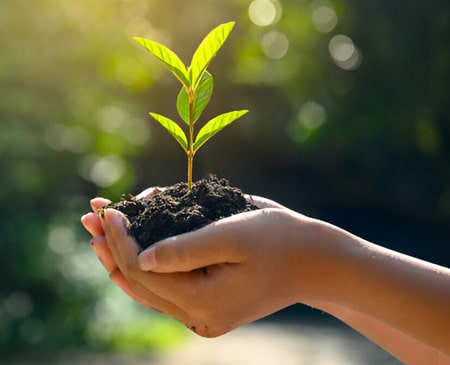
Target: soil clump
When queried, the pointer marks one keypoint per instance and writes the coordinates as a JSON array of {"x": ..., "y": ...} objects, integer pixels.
[{"x": 176, "y": 209}]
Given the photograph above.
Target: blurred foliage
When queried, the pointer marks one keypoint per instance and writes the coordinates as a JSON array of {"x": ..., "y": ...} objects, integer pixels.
[{"x": 349, "y": 122}]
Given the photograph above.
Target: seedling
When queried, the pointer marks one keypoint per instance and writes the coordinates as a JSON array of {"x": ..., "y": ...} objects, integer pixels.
[{"x": 195, "y": 93}]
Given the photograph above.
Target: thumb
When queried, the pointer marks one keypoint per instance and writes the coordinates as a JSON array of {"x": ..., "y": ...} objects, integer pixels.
[{"x": 213, "y": 244}]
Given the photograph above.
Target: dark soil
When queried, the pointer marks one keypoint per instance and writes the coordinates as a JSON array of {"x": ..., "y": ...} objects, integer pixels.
[{"x": 177, "y": 209}]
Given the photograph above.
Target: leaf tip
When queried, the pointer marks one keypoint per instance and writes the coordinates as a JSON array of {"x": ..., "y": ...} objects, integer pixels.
[
  {"x": 230, "y": 24},
  {"x": 139, "y": 40}
]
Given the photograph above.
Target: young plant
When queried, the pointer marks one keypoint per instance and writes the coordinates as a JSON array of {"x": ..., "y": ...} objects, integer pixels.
[{"x": 195, "y": 93}]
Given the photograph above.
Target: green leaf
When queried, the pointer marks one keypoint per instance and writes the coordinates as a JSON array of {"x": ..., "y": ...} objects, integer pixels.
[
  {"x": 183, "y": 104},
  {"x": 173, "y": 128},
  {"x": 215, "y": 125},
  {"x": 168, "y": 57},
  {"x": 207, "y": 50},
  {"x": 202, "y": 96}
]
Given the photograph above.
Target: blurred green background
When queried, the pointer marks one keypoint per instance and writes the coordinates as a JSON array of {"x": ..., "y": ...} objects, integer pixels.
[{"x": 349, "y": 123}]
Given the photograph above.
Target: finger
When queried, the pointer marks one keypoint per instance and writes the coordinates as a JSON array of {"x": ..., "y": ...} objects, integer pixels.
[
  {"x": 98, "y": 203},
  {"x": 213, "y": 244},
  {"x": 92, "y": 223},
  {"x": 103, "y": 253},
  {"x": 262, "y": 202},
  {"x": 124, "y": 248},
  {"x": 147, "y": 193}
]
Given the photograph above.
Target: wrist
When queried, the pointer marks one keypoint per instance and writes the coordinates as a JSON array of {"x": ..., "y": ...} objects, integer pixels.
[{"x": 323, "y": 260}]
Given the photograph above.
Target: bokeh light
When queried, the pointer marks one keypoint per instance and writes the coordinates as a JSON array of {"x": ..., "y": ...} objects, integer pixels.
[
  {"x": 310, "y": 117},
  {"x": 103, "y": 171},
  {"x": 264, "y": 12},
  {"x": 324, "y": 18},
  {"x": 275, "y": 45},
  {"x": 344, "y": 52},
  {"x": 116, "y": 119},
  {"x": 72, "y": 138},
  {"x": 18, "y": 304}
]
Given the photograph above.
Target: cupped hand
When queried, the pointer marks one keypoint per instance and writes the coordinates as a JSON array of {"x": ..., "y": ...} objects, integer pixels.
[{"x": 214, "y": 279}]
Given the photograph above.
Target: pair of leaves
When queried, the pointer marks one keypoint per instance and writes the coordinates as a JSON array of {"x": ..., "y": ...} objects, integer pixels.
[
  {"x": 210, "y": 129},
  {"x": 197, "y": 87},
  {"x": 190, "y": 78}
]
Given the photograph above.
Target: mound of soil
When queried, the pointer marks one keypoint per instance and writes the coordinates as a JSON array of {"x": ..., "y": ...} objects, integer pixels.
[{"x": 177, "y": 209}]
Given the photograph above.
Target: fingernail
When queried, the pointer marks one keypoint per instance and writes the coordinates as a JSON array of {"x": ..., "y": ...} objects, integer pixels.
[
  {"x": 83, "y": 217},
  {"x": 147, "y": 260}
]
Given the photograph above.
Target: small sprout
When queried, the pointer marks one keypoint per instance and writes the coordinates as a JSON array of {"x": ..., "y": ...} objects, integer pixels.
[{"x": 195, "y": 93}]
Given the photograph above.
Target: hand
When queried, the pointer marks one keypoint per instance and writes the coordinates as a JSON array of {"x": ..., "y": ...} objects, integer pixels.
[
  {"x": 246, "y": 266},
  {"x": 214, "y": 279}
]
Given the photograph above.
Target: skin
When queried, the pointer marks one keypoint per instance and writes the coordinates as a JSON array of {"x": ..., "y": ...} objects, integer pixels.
[{"x": 248, "y": 266}]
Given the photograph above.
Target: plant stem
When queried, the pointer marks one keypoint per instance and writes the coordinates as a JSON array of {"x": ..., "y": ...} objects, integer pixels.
[
  {"x": 189, "y": 173},
  {"x": 190, "y": 152}
]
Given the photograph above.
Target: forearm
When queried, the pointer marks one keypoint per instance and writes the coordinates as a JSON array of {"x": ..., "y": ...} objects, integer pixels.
[
  {"x": 403, "y": 293},
  {"x": 402, "y": 346}
]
